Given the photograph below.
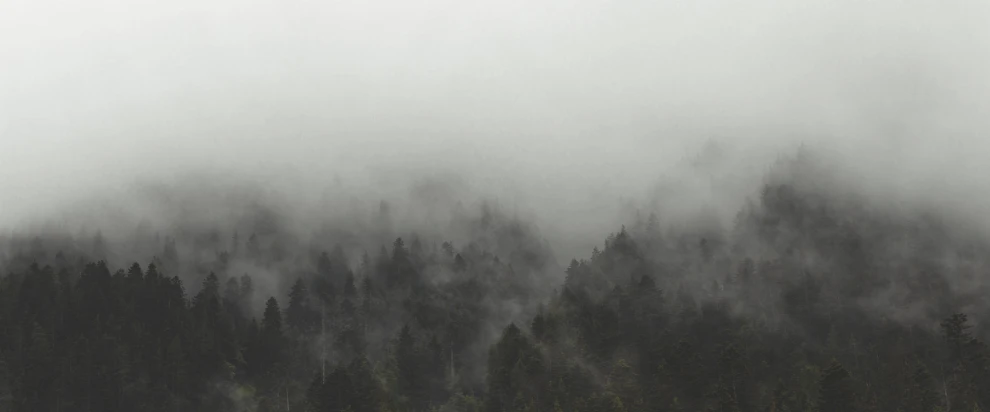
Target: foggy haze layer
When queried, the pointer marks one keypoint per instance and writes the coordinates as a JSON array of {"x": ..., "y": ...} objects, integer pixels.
[
  {"x": 565, "y": 109},
  {"x": 418, "y": 184}
]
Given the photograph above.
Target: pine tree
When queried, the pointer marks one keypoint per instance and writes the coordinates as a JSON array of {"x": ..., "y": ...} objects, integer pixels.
[
  {"x": 232, "y": 302},
  {"x": 410, "y": 381},
  {"x": 270, "y": 349},
  {"x": 365, "y": 390},
  {"x": 956, "y": 333},
  {"x": 836, "y": 391},
  {"x": 624, "y": 385},
  {"x": 434, "y": 372},
  {"x": 401, "y": 270},
  {"x": 538, "y": 327},
  {"x": 272, "y": 320},
  {"x": 247, "y": 292},
  {"x": 315, "y": 396},
  {"x": 299, "y": 315},
  {"x": 920, "y": 396},
  {"x": 350, "y": 290},
  {"x": 39, "y": 375},
  {"x": 512, "y": 364}
]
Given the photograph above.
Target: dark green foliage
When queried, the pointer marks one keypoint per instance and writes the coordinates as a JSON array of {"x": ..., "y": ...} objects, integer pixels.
[
  {"x": 411, "y": 381},
  {"x": 346, "y": 388},
  {"x": 920, "y": 395},
  {"x": 300, "y": 314},
  {"x": 651, "y": 321},
  {"x": 836, "y": 390},
  {"x": 514, "y": 365}
]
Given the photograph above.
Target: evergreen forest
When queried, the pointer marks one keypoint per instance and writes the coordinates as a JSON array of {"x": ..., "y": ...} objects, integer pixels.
[{"x": 813, "y": 299}]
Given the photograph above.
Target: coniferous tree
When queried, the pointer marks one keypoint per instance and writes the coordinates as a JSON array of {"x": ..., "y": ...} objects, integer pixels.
[
  {"x": 410, "y": 364},
  {"x": 836, "y": 390},
  {"x": 350, "y": 290},
  {"x": 742, "y": 332},
  {"x": 365, "y": 389},
  {"x": 920, "y": 396},
  {"x": 269, "y": 347},
  {"x": 299, "y": 315}
]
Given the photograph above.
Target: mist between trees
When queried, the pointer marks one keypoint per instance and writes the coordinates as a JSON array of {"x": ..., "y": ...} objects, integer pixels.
[{"x": 815, "y": 297}]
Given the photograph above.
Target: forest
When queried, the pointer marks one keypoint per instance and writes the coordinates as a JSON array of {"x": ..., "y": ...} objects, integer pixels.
[{"x": 813, "y": 299}]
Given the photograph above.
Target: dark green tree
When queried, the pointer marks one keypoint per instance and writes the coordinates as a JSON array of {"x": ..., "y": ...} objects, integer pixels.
[{"x": 836, "y": 390}]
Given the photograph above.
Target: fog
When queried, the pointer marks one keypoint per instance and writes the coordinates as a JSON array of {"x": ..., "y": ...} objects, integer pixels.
[
  {"x": 268, "y": 145},
  {"x": 564, "y": 109}
]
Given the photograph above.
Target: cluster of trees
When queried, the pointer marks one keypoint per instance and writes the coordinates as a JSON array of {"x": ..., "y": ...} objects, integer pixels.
[
  {"x": 404, "y": 330},
  {"x": 804, "y": 305}
]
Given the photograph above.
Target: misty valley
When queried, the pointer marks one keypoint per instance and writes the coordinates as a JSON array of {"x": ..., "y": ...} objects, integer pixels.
[{"x": 813, "y": 299}]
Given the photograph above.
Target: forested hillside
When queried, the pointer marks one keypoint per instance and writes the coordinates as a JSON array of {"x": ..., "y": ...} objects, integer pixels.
[{"x": 813, "y": 299}]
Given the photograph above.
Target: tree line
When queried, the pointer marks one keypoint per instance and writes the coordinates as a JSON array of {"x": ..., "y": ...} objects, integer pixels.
[{"x": 652, "y": 321}]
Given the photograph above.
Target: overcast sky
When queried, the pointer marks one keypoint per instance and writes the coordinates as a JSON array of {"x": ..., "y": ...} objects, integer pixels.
[{"x": 564, "y": 103}]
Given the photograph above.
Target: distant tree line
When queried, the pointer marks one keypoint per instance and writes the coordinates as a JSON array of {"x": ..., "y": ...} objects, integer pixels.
[{"x": 783, "y": 314}]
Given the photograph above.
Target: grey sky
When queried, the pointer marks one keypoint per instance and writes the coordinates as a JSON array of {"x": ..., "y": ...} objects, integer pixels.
[{"x": 568, "y": 103}]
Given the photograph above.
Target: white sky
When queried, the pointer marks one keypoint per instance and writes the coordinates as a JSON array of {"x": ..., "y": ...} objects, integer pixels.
[{"x": 570, "y": 104}]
